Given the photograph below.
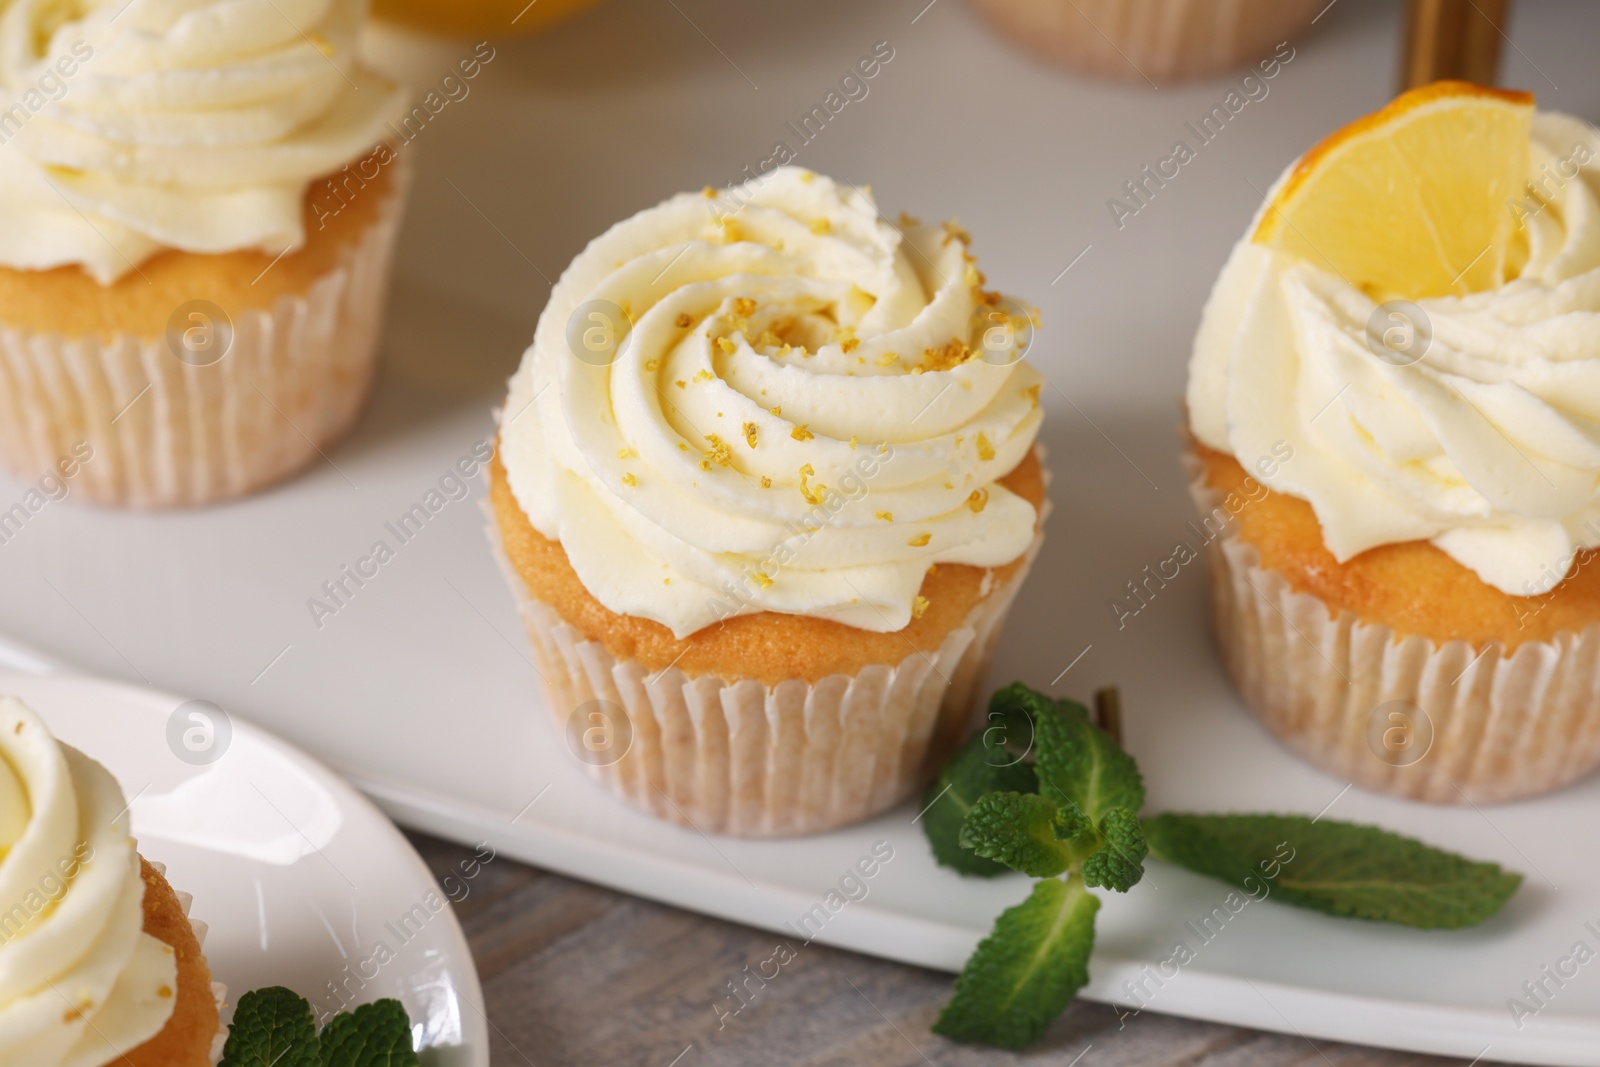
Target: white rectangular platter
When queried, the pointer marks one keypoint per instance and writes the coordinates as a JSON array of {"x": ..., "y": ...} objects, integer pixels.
[{"x": 419, "y": 687}]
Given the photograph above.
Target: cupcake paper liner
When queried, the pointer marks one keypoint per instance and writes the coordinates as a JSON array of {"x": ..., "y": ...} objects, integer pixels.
[
  {"x": 1395, "y": 713},
  {"x": 165, "y": 432},
  {"x": 753, "y": 760},
  {"x": 1155, "y": 40}
]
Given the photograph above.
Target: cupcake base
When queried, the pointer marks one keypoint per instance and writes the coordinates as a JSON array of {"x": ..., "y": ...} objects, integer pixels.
[
  {"x": 756, "y": 760},
  {"x": 199, "y": 378},
  {"x": 1443, "y": 722}
]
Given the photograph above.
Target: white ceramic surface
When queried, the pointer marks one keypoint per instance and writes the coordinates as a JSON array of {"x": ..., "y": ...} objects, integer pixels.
[
  {"x": 298, "y": 878},
  {"x": 419, "y": 684}
]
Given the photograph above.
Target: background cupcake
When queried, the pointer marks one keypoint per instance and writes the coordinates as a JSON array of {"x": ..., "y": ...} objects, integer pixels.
[
  {"x": 491, "y": 18},
  {"x": 1393, "y": 393},
  {"x": 197, "y": 214},
  {"x": 99, "y": 963},
  {"x": 766, "y": 496},
  {"x": 1150, "y": 41}
]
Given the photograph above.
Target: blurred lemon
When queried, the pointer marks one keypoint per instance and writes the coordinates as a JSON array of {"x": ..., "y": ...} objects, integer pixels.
[{"x": 478, "y": 18}]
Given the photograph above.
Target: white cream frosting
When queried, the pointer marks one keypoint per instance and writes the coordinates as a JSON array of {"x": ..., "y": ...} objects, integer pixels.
[
  {"x": 644, "y": 469},
  {"x": 1488, "y": 446},
  {"x": 129, "y": 126},
  {"x": 80, "y": 981}
]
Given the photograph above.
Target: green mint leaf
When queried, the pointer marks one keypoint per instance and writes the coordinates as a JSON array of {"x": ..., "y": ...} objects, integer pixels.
[
  {"x": 1026, "y": 832},
  {"x": 1120, "y": 864},
  {"x": 1014, "y": 713},
  {"x": 1336, "y": 867},
  {"x": 271, "y": 1027},
  {"x": 982, "y": 765},
  {"x": 1078, "y": 761},
  {"x": 374, "y": 1035},
  {"x": 1027, "y": 970}
]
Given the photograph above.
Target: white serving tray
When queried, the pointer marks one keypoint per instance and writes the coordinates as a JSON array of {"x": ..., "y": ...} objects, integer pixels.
[{"x": 419, "y": 687}]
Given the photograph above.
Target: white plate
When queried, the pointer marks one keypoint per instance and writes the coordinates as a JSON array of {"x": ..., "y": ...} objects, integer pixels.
[
  {"x": 419, "y": 687},
  {"x": 299, "y": 879}
]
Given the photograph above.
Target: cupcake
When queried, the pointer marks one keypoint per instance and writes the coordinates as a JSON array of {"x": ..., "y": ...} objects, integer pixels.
[
  {"x": 1152, "y": 42},
  {"x": 1392, "y": 402},
  {"x": 479, "y": 17},
  {"x": 766, "y": 486},
  {"x": 99, "y": 962},
  {"x": 198, "y": 208}
]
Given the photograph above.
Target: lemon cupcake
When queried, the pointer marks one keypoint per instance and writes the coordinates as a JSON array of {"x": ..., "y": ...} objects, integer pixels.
[
  {"x": 1153, "y": 42},
  {"x": 1393, "y": 400},
  {"x": 197, "y": 216},
  {"x": 479, "y": 17},
  {"x": 99, "y": 962},
  {"x": 766, "y": 487}
]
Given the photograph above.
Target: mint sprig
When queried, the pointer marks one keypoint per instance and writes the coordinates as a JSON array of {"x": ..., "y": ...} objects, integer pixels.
[
  {"x": 1337, "y": 867},
  {"x": 1083, "y": 823},
  {"x": 1082, "y": 779},
  {"x": 274, "y": 1027},
  {"x": 1072, "y": 820}
]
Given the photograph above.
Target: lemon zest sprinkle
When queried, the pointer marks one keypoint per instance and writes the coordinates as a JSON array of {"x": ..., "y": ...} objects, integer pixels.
[
  {"x": 720, "y": 452},
  {"x": 812, "y": 493}
]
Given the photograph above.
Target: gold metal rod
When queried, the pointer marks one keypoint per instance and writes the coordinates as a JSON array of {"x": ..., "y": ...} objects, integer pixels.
[{"x": 1452, "y": 39}]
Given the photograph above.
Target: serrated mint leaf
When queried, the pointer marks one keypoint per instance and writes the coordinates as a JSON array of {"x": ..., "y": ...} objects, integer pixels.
[
  {"x": 1027, "y": 970},
  {"x": 1024, "y": 832},
  {"x": 1336, "y": 867},
  {"x": 271, "y": 1027},
  {"x": 1077, "y": 761},
  {"x": 1120, "y": 862},
  {"x": 374, "y": 1035},
  {"x": 982, "y": 765}
]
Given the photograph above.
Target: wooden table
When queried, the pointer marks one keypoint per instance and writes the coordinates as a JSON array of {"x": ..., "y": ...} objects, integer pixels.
[{"x": 578, "y": 975}]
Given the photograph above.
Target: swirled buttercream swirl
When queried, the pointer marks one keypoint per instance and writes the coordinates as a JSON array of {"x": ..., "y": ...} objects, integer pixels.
[
  {"x": 80, "y": 981},
  {"x": 1488, "y": 445},
  {"x": 795, "y": 421},
  {"x": 129, "y": 126}
]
